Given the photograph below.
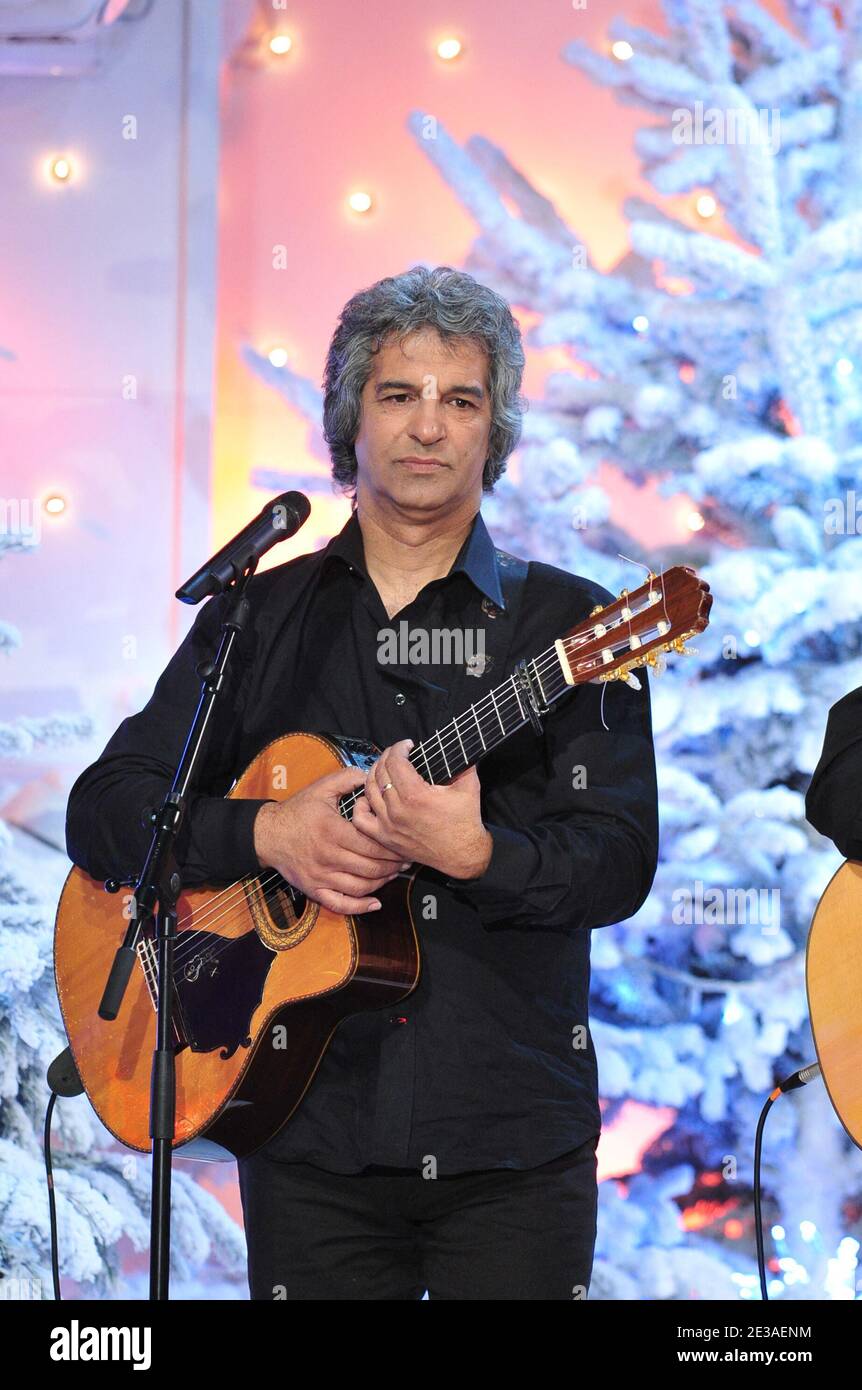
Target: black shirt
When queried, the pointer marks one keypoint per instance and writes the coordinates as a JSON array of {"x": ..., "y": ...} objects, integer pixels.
[
  {"x": 833, "y": 802},
  {"x": 489, "y": 1062}
]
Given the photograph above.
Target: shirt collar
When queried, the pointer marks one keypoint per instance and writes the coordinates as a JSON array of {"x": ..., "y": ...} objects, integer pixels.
[{"x": 477, "y": 557}]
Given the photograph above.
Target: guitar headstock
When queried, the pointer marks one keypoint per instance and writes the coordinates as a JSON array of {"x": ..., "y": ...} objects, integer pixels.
[{"x": 636, "y": 628}]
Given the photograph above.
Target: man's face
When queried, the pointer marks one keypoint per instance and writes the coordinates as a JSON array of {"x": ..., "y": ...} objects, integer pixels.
[{"x": 425, "y": 400}]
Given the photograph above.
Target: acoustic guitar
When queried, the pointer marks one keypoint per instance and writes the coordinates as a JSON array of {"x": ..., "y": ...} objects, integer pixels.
[
  {"x": 833, "y": 974},
  {"x": 264, "y": 975}
]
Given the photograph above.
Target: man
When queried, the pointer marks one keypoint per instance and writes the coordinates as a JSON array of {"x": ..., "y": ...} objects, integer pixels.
[
  {"x": 833, "y": 802},
  {"x": 449, "y": 1146}
]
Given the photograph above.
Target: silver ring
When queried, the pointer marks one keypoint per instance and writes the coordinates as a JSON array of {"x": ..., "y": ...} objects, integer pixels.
[{"x": 388, "y": 785}]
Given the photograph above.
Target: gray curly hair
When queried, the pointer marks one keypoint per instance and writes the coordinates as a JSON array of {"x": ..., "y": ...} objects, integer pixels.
[{"x": 457, "y": 306}]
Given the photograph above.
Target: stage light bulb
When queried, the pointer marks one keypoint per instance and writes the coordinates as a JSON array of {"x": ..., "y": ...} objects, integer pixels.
[
  {"x": 640, "y": 323},
  {"x": 278, "y": 356},
  {"x": 360, "y": 202},
  {"x": 60, "y": 169},
  {"x": 622, "y": 50},
  {"x": 448, "y": 49},
  {"x": 694, "y": 521},
  {"x": 706, "y": 205},
  {"x": 280, "y": 43},
  {"x": 55, "y": 504}
]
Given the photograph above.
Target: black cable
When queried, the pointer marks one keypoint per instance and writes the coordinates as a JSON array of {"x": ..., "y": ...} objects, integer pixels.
[
  {"x": 758, "y": 1225},
  {"x": 63, "y": 1079},
  {"x": 803, "y": 1077},
  {"x": 52, "y": 1205}
]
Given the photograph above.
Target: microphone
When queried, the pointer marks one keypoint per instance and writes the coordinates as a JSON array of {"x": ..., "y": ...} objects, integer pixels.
[{"x": 279, "y": 519}]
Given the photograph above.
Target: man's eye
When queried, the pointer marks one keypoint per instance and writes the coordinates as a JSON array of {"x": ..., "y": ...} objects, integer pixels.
[{"x": 403, "y": 396}]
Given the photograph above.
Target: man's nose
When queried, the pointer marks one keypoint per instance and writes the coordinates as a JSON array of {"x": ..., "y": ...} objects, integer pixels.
[{"x": 428, "y": 422}]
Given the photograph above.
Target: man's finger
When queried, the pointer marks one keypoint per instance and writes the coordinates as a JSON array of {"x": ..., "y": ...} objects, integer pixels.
[
  {"x": 361, "y": 865},
  {"x": 367, "y": 817},
  {"x": 347, "y": 905},
  {"x": 336, "y": 783},
  {"x": 364, "y": 844},
  {"x": 394, "y": 766}
]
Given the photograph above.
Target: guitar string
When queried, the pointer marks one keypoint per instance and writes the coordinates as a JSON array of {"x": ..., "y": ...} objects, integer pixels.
[
  {"x": 435, "y": 763},
  {"x": 583, "y": 639},
  {"x": 220, "y": 907},
  {"x": 224, "y": 909},
  {"x": 237, "y": 890},
  {"x": 215, "y": 929},
  {"x": 547, "y": 661}
]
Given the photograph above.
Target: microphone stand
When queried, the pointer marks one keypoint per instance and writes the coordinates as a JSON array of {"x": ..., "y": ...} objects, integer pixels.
[{"x": 156, "y": 893}]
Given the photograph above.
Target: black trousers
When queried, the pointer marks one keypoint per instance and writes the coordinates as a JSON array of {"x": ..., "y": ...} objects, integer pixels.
[{"x": 391, "y": 1233}]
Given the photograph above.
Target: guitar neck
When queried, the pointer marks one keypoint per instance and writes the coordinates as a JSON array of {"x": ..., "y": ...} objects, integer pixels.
[
  {"x": 488, "y": 723},
  {"x": 485, "y": 725},
  {"x": 634, "y": 630}
]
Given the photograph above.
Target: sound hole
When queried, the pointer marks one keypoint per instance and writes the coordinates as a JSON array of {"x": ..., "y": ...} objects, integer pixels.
[
  {"x": 278, "y": 910},
  {"x": 285, "y": 904}
]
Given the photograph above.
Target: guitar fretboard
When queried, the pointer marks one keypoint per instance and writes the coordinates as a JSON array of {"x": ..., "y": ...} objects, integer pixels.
[
  {"x": 631, "y": 631},
  {"x": 493, "y": 718}
]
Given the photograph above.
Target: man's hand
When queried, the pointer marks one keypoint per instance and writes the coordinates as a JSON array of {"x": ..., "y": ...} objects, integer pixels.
[
  {"x": 438, "y": 826},
  {"x": 308, "y": 841}
]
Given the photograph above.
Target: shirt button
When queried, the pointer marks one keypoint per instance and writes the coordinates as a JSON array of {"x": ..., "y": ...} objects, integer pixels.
[
  {"x": 400, "y": 699},
  {"x": 490, "y": 608}
]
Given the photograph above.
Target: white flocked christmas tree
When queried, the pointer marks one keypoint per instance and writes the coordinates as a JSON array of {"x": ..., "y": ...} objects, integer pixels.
[{"x": 102, "y": 1191}]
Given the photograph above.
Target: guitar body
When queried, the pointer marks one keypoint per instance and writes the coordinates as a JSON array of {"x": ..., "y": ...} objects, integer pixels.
[
  {"x": 833, "y": 972},
  {"x": 264, "y": 977}
]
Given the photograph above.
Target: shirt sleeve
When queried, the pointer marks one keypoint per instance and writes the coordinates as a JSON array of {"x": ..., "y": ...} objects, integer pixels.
[
  {"x": 106, "y": 830},
  {"x": 833, "y": 802},
  {"x": 590, "y": 858}
]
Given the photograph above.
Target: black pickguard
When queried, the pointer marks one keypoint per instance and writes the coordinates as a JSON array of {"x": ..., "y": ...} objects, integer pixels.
[{"x": 218, "y": 989}]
